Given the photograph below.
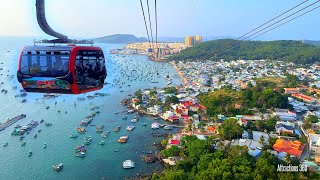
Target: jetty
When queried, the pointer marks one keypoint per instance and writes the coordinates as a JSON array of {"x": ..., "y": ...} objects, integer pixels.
[{"x": 9, "y": 122}]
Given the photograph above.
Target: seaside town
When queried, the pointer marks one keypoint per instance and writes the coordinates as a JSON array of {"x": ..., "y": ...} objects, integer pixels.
[{"x": 286, "y": 133}]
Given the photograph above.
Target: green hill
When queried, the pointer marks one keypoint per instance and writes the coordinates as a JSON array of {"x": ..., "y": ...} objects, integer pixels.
[
  {"x": 119, "y": 39},
  {"x": 291, "y": 51}
]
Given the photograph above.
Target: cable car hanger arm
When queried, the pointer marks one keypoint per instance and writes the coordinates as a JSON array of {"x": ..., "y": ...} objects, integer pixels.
[{"x": 41, "y": 18}]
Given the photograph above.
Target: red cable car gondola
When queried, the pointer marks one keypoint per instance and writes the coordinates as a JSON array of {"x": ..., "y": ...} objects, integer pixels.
[
  {"x": 66, "y": 69},
  {"x": 61, "y": 69}
]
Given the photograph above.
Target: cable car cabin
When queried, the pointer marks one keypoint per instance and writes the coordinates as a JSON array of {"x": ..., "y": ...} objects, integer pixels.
[{"x": 61, "y": 69}]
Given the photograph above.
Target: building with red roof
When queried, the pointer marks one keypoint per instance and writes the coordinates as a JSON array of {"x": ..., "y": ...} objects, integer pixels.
[
  {"x": 292, "y": 147},
  {"x": 303, "y": 97},
  {"x": 174, "y": 142}
]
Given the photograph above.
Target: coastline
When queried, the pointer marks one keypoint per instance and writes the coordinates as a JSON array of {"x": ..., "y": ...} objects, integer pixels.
[{"x": 180, "y": 73}]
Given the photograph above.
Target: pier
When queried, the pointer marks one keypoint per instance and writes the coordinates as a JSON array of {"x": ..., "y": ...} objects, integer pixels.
[{"x": 11, "y": 121}]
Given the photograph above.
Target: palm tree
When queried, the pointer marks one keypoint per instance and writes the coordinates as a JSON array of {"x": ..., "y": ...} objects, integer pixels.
[{"x": 262, "y": 141}]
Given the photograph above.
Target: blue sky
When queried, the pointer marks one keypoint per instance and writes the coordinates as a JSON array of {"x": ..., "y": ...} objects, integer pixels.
[{"x": 176, "y": 18}]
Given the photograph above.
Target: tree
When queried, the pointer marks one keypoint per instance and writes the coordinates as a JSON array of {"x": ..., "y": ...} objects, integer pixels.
[
  {"x": 229, "y": 129},
  {"x": 164, "y": 142},
  {"x": 262, "y": 141},
  {"x": 172, "y": 151},
  {"x": 312, "y": 118},
  {"x": 265, "y": 168}
]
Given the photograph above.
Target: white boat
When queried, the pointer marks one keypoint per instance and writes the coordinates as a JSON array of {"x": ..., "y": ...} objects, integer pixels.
[
  {"x": 134, "y": 120},
  {"x": 128, "y": 164},
  {"x": 155, "y": 125},
  {"x": 168, "y": 128},
  {"x": 131, "y": 111},
  {"x": 130, "y": 128}
]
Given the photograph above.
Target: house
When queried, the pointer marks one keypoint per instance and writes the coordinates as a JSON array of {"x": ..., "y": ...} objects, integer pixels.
[
  {"x": 201, "y": 137},
  {"x": 145, "y": 97},
  {"x": 135, "y": 100},
  {"x": 174, "y": 142},
  {"x": 245, "y": 142},
  {"x": 185, "y": 118},
  {"x": 285, "y": 115},
  {"x": 196, "y": 117},
  {"x": 155, "y": 110},
  {"x": 255, "y": 153},
  {"x": 292, "y": 147},
  {"x": 245, "y": 135},
  {"x": 282, "y": 128},
  {"x": 173, "y": 119},
  {"x": 291, "y": 90},
  {"x": 242, "y": 122},
  {"x": 304, "y": 98},
  {"x": 212, "y": 129},
  {"x": 314, "y": 143},
  {"x": 172, "y": 160},
  {"x": 194, "y": 107},
  {"x": 256, "y": 135}
]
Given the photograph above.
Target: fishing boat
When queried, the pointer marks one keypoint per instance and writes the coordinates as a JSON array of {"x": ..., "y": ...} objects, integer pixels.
[
  {"x": 73, "y": 135},
  {"x": 30, "y": 153},
  {"x": 105, "y": 134},
  {"x": 144, "y": 124},
  {"x": 44, "y": 145},
  {"x": 123, "y": 139},
  {"x": 21, "y": 137},
  {"x": 47, "y": 107},
  {"x": 81, "y": 154},
  {"x": 125, "y": 117},
  {"x": 81, "y": 130},
  {"x": 99, "y": 128},
  {"x": 155, "y": 125},
  {"x": 48, "y": 124},
  {"x": 35, "y": 136},
  {"x": 17, "y": 126},
  {"x": 131, "y": 111},
  {"x": 134, "y": 120},
  {"x": 5, "y": 144},
  {"x": 128, "y": 164},
  {"x": 101, "y": 142},
  {"x": 130, "y": 128},
  {"x": 80, "y": 148},
  {"x": 42, "y": 120},
  {"x": 58, "y": 167},
  {"x": 117, "y": 129},
  {"x": 23, "y": 143}
]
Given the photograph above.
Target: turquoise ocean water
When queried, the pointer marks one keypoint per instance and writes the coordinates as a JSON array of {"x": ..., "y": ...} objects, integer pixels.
[{"x": 127, "y": 73}]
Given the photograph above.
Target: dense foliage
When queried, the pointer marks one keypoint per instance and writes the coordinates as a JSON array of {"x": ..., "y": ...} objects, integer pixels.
[
  {"x": 230, "y": 129},
  {"x": 170, "y": 90},
  {"x": 202, "y": 162},
  {"x": 290, "y": 51},
  {"x": 231, "y": 102}
]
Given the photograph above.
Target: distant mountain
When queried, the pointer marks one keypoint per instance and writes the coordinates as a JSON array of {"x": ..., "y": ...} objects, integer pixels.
[
  {"x": 285, "y": 50},
  {"x": 119, "y": 39},
  {"x": 315, "y": 43}
]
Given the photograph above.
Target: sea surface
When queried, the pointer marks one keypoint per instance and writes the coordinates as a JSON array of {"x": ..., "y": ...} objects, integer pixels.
[{"x": 126, "y": 73}]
